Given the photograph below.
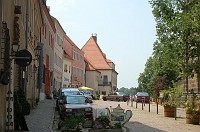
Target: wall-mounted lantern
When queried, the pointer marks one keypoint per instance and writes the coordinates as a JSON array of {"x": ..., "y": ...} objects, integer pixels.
[
  {"x": 15, "y": 47},
  {"x": 37, "y": 51}
]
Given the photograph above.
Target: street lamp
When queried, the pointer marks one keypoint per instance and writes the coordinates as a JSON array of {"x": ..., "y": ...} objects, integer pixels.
[
  {"x": 37, "y": 51},
  {"x": 15, "y": 47}
]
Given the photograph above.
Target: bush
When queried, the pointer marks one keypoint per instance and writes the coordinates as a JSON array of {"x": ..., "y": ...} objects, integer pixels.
[
  {"x": 191, "y": 104},
  {"x": 172, "y": 96},
  {"x": 22, "y": 107},
  {"x": 73, "y": 122},
  {"x": 118, "y": 125},
  {"x": 24, "y": 103},
  {"x": 102, "y": 122}
]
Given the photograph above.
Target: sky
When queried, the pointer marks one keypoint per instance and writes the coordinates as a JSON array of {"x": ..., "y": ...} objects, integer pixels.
[{"x": 126, "y": 31}]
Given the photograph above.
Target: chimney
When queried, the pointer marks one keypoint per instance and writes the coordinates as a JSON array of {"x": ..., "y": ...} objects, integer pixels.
[
  {"x": 94, "y": 37},
  {"x": 44, "y": 1},
  {"x": 48, "y": 8}
]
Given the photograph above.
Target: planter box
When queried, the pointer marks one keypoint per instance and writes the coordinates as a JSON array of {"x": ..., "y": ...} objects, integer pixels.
[
  {"x": 105, "y": 130},
  {"x": 169, "y": 111},
  {"x": 195, "y": 120}
]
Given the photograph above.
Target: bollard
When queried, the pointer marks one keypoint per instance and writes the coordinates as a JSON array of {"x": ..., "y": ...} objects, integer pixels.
[
  {"x": 131, "y": 102},
  {"x": 149, "y": 105},
  {"x": 136, "y": 104},
  {"x": 157, "y": 106},
  {"x": 142, "y": 103},
  {"x": 175, "y": 113}
]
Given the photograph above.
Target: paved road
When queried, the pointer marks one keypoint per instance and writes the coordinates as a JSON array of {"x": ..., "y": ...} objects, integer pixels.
[
  {"x": 41, "y": 118},
  {"x": 145, "y": 121}
]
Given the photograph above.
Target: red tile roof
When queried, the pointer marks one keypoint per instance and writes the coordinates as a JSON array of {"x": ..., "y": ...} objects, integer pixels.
[
  {"x": 89, "y": 66},
  {"x": 66, "y": 55},
  {"x": 108, "y": 60},
  {"x": 94, "y": 55}
]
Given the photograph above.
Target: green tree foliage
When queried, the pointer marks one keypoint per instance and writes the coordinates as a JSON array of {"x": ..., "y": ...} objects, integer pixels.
[
  {"x": 183, "y": 30},
  {"x": 176, "y": 51},
  {"x": 21, "y": 105}
]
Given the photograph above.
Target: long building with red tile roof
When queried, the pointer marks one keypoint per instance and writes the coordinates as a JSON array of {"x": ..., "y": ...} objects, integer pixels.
[{"x": 100, "y": 71}]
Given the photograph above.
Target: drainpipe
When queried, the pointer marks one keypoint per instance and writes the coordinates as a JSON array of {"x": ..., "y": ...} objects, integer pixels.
[
  {"x": 24, "y": 71},
  {"x": 0, "y": 20},
  {"x": 40, "y": 69},
  {"x": 26, "y": 33}
]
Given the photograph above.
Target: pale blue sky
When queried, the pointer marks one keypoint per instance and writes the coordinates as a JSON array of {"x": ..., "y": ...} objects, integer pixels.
[{"x": 125, "y": 31}]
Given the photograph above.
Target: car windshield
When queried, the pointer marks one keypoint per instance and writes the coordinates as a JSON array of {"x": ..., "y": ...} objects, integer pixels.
[
  {"x": 75, "y": 99},
  {"x": 142, "y": 94},
  {"x": 71, "y": 93}
]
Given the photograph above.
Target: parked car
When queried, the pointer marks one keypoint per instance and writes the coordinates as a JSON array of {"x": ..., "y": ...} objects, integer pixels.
[
  {"x": 87, "y": 94},
  {"x": 65, "y": 92},
  {"x": 76, "y": 105},
  {"x": 116, "y": 96},
  {"x": 142, "y": 96}
]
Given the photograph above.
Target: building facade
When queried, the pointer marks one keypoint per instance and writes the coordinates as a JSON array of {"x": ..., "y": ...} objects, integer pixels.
[
  {"x": 67, "y": 63},
  {"x": 100, "y": 72},
  {"x": 78, "y": 64},
  {"x": 58, "y": 55},
  {"x": 48, "y": 37},
  {"x": 21, "y": 22}
]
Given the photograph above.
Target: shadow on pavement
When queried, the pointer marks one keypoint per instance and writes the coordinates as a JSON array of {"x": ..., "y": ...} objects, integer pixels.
[{"x": 139, "y": 127}]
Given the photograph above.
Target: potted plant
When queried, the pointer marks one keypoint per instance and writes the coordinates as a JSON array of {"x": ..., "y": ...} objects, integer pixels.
[
  {"x": 21, "y": 109},
  {"x": 73, "y": 123},
  {"x": 103, "y": 123},
  {"x": 171, "y": 100},
  {"x": 192, "y": 108}
]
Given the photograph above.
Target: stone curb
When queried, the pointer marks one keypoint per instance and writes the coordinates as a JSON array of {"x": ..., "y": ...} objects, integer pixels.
[{"x": 52, "y": 121}]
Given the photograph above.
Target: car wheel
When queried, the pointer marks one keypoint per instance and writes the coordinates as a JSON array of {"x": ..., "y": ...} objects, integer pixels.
[
  {"x": 104, "y": 99},
  {"x": 125, "y": 100}
]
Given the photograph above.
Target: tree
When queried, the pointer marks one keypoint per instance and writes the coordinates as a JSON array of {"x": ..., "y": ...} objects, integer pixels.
[{"x": 178, "y": 29}]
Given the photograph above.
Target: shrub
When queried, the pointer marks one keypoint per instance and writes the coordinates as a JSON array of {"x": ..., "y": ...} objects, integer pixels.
[
  {"x": 102, "y": 122},
  {"x": 191, "y": 104},
  {"x": 172, "y": 96},
  {"x": 73, "y": 122}
]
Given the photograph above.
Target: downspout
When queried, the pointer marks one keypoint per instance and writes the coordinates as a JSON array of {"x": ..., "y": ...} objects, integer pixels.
[
  {"x": 24, "y": 70},
  {"x": 0, "y": 20},
  {"x": 40, "y": 68},
  {"x": 26, "y": 33}
]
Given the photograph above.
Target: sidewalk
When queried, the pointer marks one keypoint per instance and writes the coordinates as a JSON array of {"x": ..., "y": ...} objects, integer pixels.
[{"x": 41, "y": 118}]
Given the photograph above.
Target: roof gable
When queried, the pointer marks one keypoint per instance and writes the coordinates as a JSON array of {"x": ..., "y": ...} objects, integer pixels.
[
  {"x": 94, "y": 55},
  {"x": 89, "y": 66}
]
